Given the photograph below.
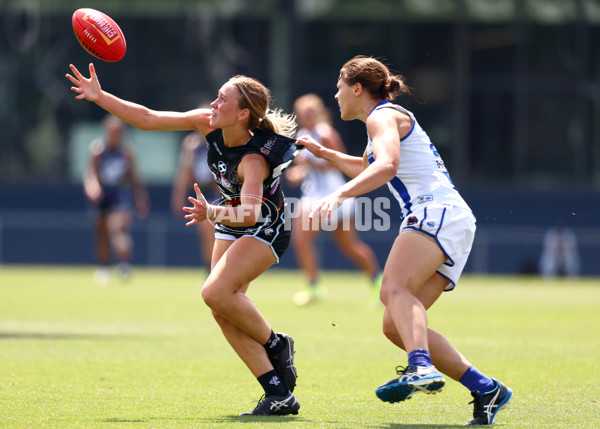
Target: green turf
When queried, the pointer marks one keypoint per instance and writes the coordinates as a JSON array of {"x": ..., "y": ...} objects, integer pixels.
[{"x": 146, "y": 353}]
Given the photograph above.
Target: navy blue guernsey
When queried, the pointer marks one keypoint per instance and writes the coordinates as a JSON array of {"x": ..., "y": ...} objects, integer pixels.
[{"x": 278, "y": 150}]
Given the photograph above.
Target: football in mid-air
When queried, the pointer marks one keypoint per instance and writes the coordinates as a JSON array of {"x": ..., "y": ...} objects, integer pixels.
[{"x": 99, "y": 34}]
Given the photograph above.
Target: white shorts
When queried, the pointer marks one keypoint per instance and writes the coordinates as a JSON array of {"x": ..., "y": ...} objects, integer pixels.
[{"x": 453, "y": 229}]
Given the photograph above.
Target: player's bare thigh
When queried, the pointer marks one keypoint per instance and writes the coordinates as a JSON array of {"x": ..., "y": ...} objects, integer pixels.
[
  {"x": 412, "y": 262},
  {"x": 236, "y": 263}
]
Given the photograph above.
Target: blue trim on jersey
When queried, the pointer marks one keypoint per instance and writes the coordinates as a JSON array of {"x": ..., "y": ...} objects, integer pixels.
[
  {"x": 403, "y": 192},
  {"x": 414, "y": 121},
  {"x": 449, "y": 179},
  {"x": 411, "y": 130},
  {"x": 381, "y": 103},
  {"x": 399, "y": 187}
]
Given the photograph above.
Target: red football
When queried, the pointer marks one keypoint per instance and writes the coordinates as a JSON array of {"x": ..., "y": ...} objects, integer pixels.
[{"x": 99, "y": 34}]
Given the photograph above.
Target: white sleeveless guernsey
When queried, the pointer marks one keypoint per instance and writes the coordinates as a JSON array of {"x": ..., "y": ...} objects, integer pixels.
[{"x": 422, "y": 176}]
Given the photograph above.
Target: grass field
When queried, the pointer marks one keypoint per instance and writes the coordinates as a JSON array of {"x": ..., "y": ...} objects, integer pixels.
[{"x": 146, "y": 353}]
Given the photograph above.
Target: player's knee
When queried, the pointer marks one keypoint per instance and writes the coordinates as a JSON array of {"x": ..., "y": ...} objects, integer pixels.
[
  {"x": 211, "y": 296},
  {"x": 390, "y": 289},
  {"x": 386, "y": 291},
  {"x": 122, "y": 242}
]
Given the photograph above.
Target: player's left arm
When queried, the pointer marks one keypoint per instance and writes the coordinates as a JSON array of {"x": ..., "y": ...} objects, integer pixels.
[{"x": 253, "y": 169}]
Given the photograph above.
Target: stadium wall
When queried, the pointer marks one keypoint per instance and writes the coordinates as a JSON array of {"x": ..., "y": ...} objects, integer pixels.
[{"x": 51, "y": 225}]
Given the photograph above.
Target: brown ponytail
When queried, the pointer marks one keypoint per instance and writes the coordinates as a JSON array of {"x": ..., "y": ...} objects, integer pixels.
[{"x": 375, "y": 78}]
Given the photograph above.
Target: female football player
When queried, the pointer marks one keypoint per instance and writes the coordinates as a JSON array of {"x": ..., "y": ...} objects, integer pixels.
[
  {"x": 246, "y": 156},
  {"x": 435, "y": 236}
]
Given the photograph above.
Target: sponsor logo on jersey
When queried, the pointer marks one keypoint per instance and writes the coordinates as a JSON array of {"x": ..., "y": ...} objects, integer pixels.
[
  {"x": 424, "y": 199},
  {"x": 266, "y": 149},
  {"x": 412, "y": 221}
]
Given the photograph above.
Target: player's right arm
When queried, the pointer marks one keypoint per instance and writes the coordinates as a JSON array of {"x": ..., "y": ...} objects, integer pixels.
[
  {"x": 135, "y": 114},
  {"x": 350, "y": 165}
]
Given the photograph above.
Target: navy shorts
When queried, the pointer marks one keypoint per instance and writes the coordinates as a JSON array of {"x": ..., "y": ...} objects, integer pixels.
[{"x": 275, "y": 235}]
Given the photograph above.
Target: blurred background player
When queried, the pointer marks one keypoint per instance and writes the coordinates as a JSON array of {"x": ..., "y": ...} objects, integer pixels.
[
  {"x": 193, "y": 168},
  {"x": 112, "y": 184},
  {"x": 560, "y": 255},
  {"x": 318, "y": 179}
]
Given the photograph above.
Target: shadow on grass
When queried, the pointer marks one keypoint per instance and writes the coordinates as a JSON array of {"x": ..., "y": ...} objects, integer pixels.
[
  {"x": 408, "y": 426},
  {"x": 254, "y": 419},
  {"x": 279, "y": 420},
  {"x": 59, "y": 336},
  {"x": 118, "y": 420}
]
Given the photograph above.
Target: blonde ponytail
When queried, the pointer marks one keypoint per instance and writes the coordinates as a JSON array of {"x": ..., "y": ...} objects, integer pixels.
[
  {"x": 255, "y": 97},
  {"x": 279, "y": 122}
]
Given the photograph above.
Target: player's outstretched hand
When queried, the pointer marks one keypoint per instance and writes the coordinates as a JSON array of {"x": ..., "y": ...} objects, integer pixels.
[
  {"x": 86, "y": 88},
  {"x": 312, "y": 145},
  {"x": 199, "y": 210},
  {"x": 323, "y": 209}
]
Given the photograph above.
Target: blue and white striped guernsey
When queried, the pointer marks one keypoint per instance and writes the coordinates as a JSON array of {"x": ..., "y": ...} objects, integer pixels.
[{"x": 422, "y": 176}]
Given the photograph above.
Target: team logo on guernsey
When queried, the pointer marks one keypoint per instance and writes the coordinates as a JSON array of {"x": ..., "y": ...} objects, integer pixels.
[{"x": 220, "y": 178}]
